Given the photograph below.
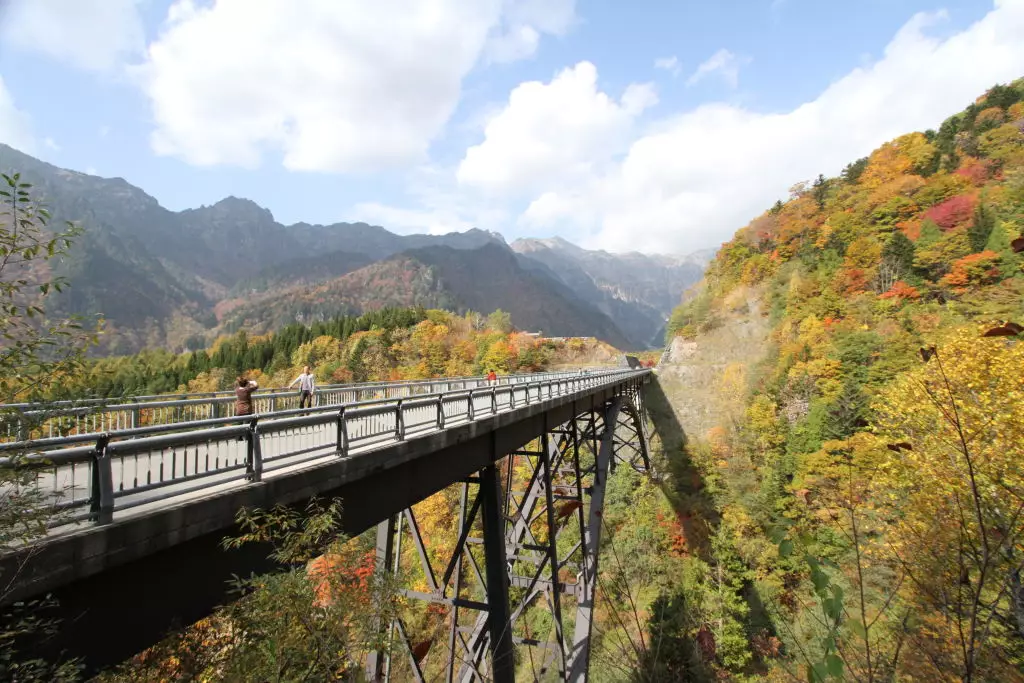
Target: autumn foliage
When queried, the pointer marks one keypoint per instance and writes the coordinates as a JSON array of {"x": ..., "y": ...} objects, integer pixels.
[
  {"x": 952, "y": 213},
  {"x": 870, "y": 487}
]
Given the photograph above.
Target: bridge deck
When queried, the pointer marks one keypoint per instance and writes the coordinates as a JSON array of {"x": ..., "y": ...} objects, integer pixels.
[
  {"x": 143, "y": 553},
  {"x": 154, "y": 491}
]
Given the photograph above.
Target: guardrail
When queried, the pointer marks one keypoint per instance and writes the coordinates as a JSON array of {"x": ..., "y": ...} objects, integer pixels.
[
  {"x": 89, "y": 477},
  {"x": 29, "y": 421}
]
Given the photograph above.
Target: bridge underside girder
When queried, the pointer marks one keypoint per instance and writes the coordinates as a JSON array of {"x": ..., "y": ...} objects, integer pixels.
[{"x": 544, "y": 552}]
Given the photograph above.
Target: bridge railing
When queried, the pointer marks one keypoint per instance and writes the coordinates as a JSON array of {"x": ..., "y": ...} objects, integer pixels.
[
  {"x": 28, "y": 421},
  {"x": 87, "y": 478}
]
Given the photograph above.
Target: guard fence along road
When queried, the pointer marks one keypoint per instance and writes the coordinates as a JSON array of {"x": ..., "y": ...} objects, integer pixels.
[
  {"x": 89, "y": 478},
  {"x": 25, "y": 421}
]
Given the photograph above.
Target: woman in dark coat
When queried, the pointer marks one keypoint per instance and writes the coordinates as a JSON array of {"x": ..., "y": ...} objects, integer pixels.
[{"x": 243, "y": 396}]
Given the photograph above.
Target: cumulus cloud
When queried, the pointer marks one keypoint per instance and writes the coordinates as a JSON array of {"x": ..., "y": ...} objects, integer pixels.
[
  {"x": 549, "y": 132},
  {"x": 96, "y": 35},
  {"x": 438, "y": 205},
  {"x": 15, "y": 125},
  {"x": 695, "y": 178},
  {"x": 723, "y": 63},
  {"x": 670, "y": 64},
  {"x": 333, "y": 85}
]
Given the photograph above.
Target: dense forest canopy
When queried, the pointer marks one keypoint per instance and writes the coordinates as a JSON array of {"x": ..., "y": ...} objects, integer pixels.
[{"x": 871, "y": 483}]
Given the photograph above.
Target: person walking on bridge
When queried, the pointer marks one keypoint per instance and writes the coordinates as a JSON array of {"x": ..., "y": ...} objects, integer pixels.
[
  {"x": 307, "y": 385},
  {"x": 492, "y": 378},
  {"x": 243, "y": 396}
]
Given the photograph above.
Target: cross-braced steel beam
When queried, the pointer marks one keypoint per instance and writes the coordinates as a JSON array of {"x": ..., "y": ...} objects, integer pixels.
[{"x": 529, "y": 533}]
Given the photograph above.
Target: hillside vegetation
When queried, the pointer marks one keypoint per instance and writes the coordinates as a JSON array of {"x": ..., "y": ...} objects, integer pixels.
[
  {"x": 388, "y": 344},
  {"x": 862, "y": 481}
]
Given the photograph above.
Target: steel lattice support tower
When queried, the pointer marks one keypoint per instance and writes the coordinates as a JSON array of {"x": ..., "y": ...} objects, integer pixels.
[{"x": 537, "y": 545}]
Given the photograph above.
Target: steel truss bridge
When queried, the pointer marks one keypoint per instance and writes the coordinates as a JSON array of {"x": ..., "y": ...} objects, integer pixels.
[{"x": 135, "y": 549}]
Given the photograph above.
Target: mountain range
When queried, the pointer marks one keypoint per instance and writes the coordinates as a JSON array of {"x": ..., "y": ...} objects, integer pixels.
[{"x": 178, "y": 279}]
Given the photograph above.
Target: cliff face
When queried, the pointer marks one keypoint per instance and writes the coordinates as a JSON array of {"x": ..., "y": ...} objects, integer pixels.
[{"x": 705, "y": 379}]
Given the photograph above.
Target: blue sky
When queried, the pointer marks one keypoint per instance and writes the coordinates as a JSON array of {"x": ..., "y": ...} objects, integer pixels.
[{"x": 530, "y": 117}]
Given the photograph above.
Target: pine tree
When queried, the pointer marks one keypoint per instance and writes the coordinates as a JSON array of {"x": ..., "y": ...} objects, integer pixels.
[
  {"x": 820, "y": 190},
  {"x": 899, "y": 250},
  {"x": 981, "y": 227},
  {"x": 999, "y": 242},
  {"x": 846, "y": 414}
]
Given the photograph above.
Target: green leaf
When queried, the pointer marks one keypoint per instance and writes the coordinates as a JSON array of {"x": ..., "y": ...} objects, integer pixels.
[
  {"x": 833, "y": 608},
  {"x": 819, "y": 579},
  {"x": 858, "y": 628},
  {"x": 786, "y": 548},
  {"x": 834, "y": 665}
]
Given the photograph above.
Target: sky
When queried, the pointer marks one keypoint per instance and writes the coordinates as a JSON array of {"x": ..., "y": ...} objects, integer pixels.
[{"x": 660, "y": 126}]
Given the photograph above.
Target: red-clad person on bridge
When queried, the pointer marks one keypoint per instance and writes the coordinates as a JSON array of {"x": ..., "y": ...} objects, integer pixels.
[{"x": 492, "y": 377}]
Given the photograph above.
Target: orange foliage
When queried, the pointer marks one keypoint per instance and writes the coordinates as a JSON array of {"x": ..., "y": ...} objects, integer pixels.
[
  {"x": 910, "y": 228},
  {"x": 901, "y": 291},
  {"x": 677, "y": 541},
  {"x": 981, "y": 268},
  {"x": 334, "y": 573},
  {"x": 852, "y": 281}
]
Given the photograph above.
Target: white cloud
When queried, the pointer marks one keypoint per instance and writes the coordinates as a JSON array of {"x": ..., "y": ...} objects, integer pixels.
[
  {"x": 407, "y": 221},
  {"x": 104, "y": 131},
  {"x": 552, "y": 131},
  {"x": 91, "y": 170},
  {"x": 51, "y": 144},
  {"x": 334, "y": 85},
  {"x": 697, "y": 177},
  {"x": 523, "y": 22},
  {"x": 15, "y": 125},
  {"x": 440, "y": 206},
  {"x": 724, "y": 63},
  {"x": 96, "y": 35},
  {"x": 670, "y": 64}
]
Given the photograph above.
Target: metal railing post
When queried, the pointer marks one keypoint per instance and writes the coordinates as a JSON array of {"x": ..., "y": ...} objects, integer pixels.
[
  {"x": 399, "y": 421},
  {"x": 440, "y": 411},
  {"x": 254, "y": 453},
  {"x": 101, "y": 504},
  {"x": 342, "y": 434},
  {"x": 471, "y": 409},
  {"x": 494, "y": 401}
]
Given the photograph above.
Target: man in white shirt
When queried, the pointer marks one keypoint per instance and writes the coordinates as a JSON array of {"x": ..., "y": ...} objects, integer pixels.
[{"x": 307, "y": 385}]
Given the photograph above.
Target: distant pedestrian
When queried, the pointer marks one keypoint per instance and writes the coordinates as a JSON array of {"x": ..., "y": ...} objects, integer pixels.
[
  {"x": 492, "y": 377},
  {"x": 307, "y": 385},
  {"x": 243, "y": 396}
]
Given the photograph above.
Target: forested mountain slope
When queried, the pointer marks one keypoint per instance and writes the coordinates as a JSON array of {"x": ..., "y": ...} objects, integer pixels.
[
  {"x": 634, "y": 289},
  {"x": 862, "y": 480},
  {"x": 163, "y": 278},
  {"x": 435, "y": 277}
]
